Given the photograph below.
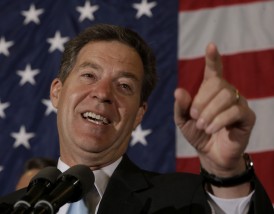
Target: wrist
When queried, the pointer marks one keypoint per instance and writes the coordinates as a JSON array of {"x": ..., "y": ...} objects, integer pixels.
[
  {"x": 239, "y": 191},
  {"x": 241, "y": 178}
]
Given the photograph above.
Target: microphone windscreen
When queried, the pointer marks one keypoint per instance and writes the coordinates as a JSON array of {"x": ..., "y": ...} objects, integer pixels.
[
  {"x": 41, "y": 184},
  {"x": 82, "y": 173},
  {"x": 70, "y": 186},
  {"x": 49, "y": 173}
]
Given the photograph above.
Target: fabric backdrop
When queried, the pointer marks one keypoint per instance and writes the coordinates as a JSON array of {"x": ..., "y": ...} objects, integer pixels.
[{"x": 32, "y": 38}]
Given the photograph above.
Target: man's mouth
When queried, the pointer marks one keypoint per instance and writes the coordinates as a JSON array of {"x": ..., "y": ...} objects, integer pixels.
[{"x": 95, "y": 118}]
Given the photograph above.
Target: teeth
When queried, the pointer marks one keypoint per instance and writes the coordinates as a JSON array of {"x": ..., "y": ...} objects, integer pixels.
[{"x": 95, "y": 118}]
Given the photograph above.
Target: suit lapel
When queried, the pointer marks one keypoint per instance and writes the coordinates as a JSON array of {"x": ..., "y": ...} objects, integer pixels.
[{"x": 119, "y": 197}]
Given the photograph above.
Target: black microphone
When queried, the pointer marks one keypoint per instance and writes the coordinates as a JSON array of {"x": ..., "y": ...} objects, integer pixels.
[
  {"x": 42, "y": 183},
  {"x": 70, "y": 187},
  {"x": 5, "y": 208}
]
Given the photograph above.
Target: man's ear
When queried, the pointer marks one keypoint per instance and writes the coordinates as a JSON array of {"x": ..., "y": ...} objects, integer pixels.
[
  {"x": 55, "y": 90},
  {"x": 140, "y": 114}
]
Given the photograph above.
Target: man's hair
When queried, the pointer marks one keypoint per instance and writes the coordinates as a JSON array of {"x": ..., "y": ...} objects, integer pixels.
[{"x": 106, "y": 32}]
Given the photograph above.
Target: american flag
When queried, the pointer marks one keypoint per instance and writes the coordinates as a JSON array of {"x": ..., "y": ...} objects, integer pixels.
[{"x": 32, "y": 38}]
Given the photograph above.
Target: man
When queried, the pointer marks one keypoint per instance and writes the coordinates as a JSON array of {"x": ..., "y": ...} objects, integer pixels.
[{"x": 107, "y": 74}]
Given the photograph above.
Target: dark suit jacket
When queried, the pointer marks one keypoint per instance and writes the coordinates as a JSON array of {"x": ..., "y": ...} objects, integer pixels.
[{"x": 134, "y": 191}]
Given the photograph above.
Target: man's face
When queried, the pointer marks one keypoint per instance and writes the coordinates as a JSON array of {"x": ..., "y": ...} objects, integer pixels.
[{"x": 98, "y": 105}]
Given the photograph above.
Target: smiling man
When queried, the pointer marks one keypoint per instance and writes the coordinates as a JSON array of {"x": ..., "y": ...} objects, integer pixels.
[
  {"x": 107, "y": 74},
  {"x": 99, "y": 103}
]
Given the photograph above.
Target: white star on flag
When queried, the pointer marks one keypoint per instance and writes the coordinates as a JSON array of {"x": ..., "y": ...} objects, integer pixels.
[
  {"x": 86, "y": 12},
  {"x": 22, "y": 138},
  {"x": 4, "y": 45},
  {"x": 139, "y": 136},
  {"x": 3, "y": 106},
  {"x": 144, "y": 8},
  {"x": 50, "y": 107},
  {"x": 28, "y": 75},
  {"x": 57, "y": 42},
  {"x": 32, "y": 14}
]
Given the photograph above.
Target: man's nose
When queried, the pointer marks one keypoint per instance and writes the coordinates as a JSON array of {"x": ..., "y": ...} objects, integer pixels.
[{"x": 103, "y": 91}]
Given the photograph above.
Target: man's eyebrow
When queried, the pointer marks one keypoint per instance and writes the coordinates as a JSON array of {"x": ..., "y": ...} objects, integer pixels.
[
  {"x": 126, "y": 74},
  {"x": 89, "y": 65},
  {"x": 129, "y": 75}
]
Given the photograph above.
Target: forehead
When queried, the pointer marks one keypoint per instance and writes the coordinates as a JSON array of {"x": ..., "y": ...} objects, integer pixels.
[{"x": 111, "y": 52}]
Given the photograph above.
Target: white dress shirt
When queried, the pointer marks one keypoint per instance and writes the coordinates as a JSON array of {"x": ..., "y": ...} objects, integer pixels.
[
  {"x": 229, "y": 206},
  {"x": 218, "y": 205},
  {"x": 101, "y": 180}
]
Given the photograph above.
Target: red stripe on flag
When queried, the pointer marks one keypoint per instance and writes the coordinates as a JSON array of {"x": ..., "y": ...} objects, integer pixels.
[
  {"x": 264, "y": 170},
  {"x": 252, "y": 73},
  {"x": 188, "y": 5},
  {"x": 191, "y": 165}
]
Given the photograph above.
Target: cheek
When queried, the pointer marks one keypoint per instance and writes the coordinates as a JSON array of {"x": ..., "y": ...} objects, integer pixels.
[
  {"x": 139, "y": 116},
  {"x": 68, "y": 98},
  {"x": 66, "y": 107},
  {"x": 132, "y": 114}
]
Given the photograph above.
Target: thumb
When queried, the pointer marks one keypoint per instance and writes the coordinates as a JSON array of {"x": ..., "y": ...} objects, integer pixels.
[
  {"x": 213, "y": 62},
  {"x": 181, "y": 107}
]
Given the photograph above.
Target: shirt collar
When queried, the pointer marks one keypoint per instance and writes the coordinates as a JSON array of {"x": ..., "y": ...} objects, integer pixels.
[{"x": 101, "y": 175}]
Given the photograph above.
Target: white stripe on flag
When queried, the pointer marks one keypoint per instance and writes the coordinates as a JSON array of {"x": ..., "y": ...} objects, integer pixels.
[
  {"x": 263, "y": 133},
  {"x": 240, "y": 28},
  {"x": 183, "y": 148}
]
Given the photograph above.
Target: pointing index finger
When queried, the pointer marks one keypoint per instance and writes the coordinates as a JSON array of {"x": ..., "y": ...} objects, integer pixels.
[{"x": 213, "y": 62}]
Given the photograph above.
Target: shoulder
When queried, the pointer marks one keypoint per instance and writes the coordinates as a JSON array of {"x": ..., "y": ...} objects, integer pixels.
[
  {"x": 177, "y": 193},
  {"x": 187, "y": 180},
  {"x": 183, "y": 184},
  {"x": 179, "y": 178}
]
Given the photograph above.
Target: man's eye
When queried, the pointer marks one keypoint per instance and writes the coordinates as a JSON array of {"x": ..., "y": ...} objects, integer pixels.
[
  {"x": 89, "y": 76},
  {"x": 126, "y": 88}
]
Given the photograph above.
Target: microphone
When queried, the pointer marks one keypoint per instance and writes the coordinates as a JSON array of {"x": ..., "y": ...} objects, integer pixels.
[
  {"x": 70, "y": 187},
  {"x": 6, "y": 208},
  {"x": 39, "y": 185}
]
